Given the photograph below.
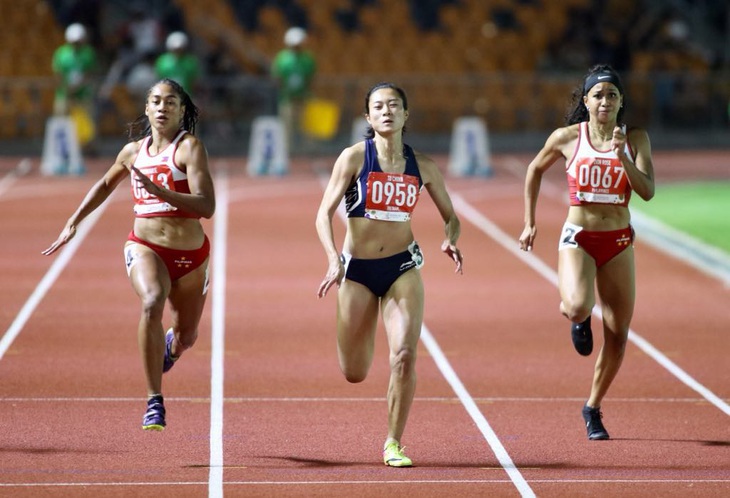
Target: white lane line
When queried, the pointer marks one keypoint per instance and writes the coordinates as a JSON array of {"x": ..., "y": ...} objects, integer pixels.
[
  {"x": 220, "y": 240},
  {"x": 59, "y": 264},
  {"x": 21, "y": 169},
  {"x": 408, "y": 482},
  {"x": 476, "y": 415},
  {"x": 445, "y": 367},
  {"x": 710, "y": 260},
  {"x": 378, "y": 399},
  {"x": 511, "y": 244}
]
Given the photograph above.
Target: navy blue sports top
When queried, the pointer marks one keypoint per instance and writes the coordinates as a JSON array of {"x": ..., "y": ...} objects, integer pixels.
[{"x": 384, "y": 196}]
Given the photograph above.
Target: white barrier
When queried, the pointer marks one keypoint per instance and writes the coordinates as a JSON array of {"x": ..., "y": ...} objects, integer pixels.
[
  {"x": 61, "y": 149},
  {"x": 469, "y": 154},
  {"x": 268, "y": 153}
]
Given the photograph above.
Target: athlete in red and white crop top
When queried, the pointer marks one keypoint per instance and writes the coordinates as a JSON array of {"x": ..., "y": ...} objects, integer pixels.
[
  {"x": 596, "y": 177},
  {"x": 163, "y": 171}
]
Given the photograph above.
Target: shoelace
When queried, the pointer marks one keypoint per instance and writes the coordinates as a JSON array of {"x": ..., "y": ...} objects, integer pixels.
[{"x": 397, "y": 450}]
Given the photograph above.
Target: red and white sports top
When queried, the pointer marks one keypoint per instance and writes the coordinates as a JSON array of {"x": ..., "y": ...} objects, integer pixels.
[
  {"x": 163, "y": 171},
  {"x": 596, "y": 177}
]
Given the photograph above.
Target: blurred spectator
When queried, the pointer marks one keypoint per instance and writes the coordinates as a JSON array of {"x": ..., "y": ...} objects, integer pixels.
[
  {"x": 74, "y": 63},
  {"x": 140, "y": 36},
  {"x": 142, "y": 76},
  {"x": 178, "y": 63},
  {"x": 293, "y": 69}
]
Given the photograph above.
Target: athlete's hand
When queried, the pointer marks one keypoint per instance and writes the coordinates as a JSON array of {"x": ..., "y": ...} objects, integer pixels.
[
  {"x": 335, "y": 272},
  {"x": 144, "y": 182},
  {"x": 527, "y": 239},
  {"x": 454, "y": 253},
  {"x": 618, "y": 142},
  {"x": 66, "y": 235}
]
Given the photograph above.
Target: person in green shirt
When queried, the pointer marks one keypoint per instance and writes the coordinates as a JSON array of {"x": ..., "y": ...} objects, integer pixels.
[
  {"x": 73, "y": 64},
  {"x": 293, "y": 69},
  {"x": 178, "y": 64}
]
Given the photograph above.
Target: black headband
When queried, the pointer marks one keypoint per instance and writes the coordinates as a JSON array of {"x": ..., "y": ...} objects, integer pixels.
[{"x": 602, "y": 77}]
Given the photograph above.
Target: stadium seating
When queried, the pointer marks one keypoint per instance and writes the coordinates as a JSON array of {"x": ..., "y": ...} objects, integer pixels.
[{"x": 495, "y": 48}]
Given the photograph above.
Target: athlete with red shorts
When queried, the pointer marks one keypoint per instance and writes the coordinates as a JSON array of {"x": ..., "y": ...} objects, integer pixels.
[
  {"x": 605, "y": 163},
  {"x": 167, "y": 252}
]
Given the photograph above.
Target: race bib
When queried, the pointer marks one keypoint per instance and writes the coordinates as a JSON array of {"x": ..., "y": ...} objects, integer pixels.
[
  {"x": 159, "y": 175},
  {"x": 600, "y": 180},
  {"x": 391, "y": 196}
]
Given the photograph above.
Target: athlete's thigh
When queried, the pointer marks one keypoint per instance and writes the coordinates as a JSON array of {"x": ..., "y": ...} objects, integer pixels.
[
  {"x": 617, "y": 290},
  {"x": 576, "y": 276},
  {"x": 402, "y": 309},
  {"x": 187, "y": 298},
  {"x": 357, "y": 316},
  {"x": 146, "y": 270}
]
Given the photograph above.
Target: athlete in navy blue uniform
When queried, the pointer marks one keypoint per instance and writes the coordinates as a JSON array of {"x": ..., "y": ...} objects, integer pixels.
[{"x": 377, "y": 270}]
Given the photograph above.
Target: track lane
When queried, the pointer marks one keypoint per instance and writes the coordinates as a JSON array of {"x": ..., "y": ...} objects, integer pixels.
[{"x": 515, "y": 359}]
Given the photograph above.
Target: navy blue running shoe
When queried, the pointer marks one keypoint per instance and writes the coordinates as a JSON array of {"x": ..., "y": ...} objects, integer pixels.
[
  {"x": 154, "y": 418},
  {"x": 594, "y": 425},
  {"x": 169, "y": 359},
  {"x": 582, "y": 336}
]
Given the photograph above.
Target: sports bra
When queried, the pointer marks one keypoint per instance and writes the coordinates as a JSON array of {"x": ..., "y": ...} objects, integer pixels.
[
  {"x": 163, "y": 171},
  {"x": 378, "y": 195},
  {"x": 597, "y": 177}
]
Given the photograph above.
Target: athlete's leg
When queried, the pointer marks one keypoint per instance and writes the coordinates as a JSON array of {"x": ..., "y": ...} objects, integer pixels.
[
  {"x": 402, "y": 309},
  {"x": 187, "y": 300},
  {"x": 357, "y": 319},
  {"x": 576, "y": 277},
  {"x": 151, "y": 281},
  {"x": 616, "y": 290}
]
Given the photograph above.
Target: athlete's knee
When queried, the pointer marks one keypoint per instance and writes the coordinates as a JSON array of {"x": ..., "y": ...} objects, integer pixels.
[
  {"x": 153, "y": 304},
  {"x": 186, "y": 338},
  {"x": 403, "y": 362},
  {"x": 575, "y": 311},
  {"x": 354, "y": 375},
  {"x": 353, "y": 365}
]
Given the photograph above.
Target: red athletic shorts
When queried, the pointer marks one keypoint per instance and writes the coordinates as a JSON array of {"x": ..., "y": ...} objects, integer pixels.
[
  {"x": 178, "y": 262},
  {"x": 601, "y": 246}
]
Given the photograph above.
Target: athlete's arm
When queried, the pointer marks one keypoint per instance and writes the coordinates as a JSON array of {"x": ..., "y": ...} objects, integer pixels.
[
  {"x": 433, "y": 180},
  {"x": 640, "y": 173},
  {"x": 98, "y": 193},
  {"x": 343, "y": 174},
  {"x": 553, "y": 150}
]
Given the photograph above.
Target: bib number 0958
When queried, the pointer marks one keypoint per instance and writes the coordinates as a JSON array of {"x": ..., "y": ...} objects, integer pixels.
[{"x": 394, "y": 194}]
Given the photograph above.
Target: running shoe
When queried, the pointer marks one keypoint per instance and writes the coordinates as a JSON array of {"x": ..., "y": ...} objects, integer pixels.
[
  {"x": 154, "y": 418},
  {"x": 393, "y": 456},
  {"x": 594, "y": 426},
  {"x": 582, "y": 336},
  {"x": 169, "y": 359}
]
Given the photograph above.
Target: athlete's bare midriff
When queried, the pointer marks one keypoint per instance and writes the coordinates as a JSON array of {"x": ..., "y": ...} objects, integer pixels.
[
  {"x": 371, "y": 239},
  {"x": 599, "y": 217},
  {"x": 177, "y": 233}
]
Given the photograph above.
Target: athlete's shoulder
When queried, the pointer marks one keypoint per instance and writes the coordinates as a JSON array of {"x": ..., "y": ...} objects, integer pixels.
[
  {"x": 565, "y": 134},
  {"x": 131, "y": 149},
  {"x": 423, "y": 160},
  {"x": 635, "y": 132},
  {"x": 354, "y": 153}
]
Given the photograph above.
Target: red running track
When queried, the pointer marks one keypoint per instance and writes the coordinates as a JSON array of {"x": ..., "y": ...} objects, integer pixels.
[{"x": 259, "y": 407}]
